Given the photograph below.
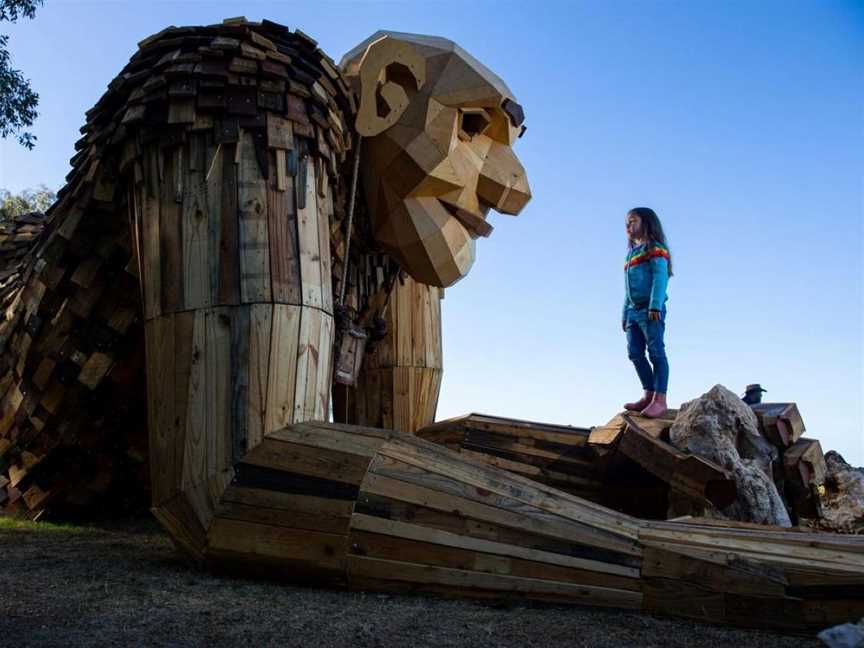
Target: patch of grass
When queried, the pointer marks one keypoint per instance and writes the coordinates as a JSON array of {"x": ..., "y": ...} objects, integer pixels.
[{"x": 18, "y": 524}]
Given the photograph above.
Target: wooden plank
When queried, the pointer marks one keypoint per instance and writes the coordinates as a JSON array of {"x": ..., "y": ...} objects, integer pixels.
[
  {"x": 171, "y": 231},
  {"x": 181, "y": 370},
  {"x": 311, "y": 281},
  {"x": 196, "y": 241},
  {"x": 241, "y": 395},
  {"x": 436, "y": 536},
  {"x": 229, "y": 244},
  {"x": 396, "y": 548},
  {"x": 360, "y": 567},
  {"x": 658, "y": 563},
  {"x": 151, "y": 253},
  {"x": 282, "y": 380},
  {"x": 159, "y": 336},
  {"x": 325, "y": 368},
  {"x": 253, "y": 236},
  {"x": 280, "y": 134},
  {"x": 320, "y": 549},
  {"x": 440, "y": 461},
  {"x": 282, "y": 236},
  {"x": 307, "y": 504},
  {"x": 214, "y": 172},
  {"x": 325, "y": 210},
  {"x": 304, "y": 460},
  {"x": 260, "y": 332},
  {"x": 317, "y": 436},
  {"x": 94, "y": 369},
  {"x": 688, "y": 474},
  {"x": 196, "y": 445},
  {"x": 307, "y": 364},
  {"x": 506, "y": 511},
  {"x": 803, "y": 554},
  {"x": 218, "y": 390}
]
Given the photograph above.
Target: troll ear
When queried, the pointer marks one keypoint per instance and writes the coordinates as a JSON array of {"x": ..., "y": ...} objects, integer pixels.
[{"x": 391, "y": 72}]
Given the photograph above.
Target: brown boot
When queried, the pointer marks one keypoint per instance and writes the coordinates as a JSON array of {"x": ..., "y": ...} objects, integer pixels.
[
  {"x": 657, "y": 408},
  {"x": 641, "y": 404}
]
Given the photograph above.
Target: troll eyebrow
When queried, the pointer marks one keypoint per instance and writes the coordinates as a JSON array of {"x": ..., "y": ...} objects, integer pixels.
[{"x": 514, "y": 111}]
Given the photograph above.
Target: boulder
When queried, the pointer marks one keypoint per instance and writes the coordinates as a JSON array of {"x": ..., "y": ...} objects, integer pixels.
[
  {"x": 722, "y": 428},
  {"x": 843, "y": 498},
  {"x": 848, "y": 635}
]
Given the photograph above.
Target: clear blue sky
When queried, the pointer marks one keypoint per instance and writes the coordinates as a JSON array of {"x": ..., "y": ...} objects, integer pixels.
[{"x": 740, "y": 123}]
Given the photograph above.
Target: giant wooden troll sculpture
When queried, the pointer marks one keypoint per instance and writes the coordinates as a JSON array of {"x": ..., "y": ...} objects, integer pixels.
[{"x": 206, "y": 240}]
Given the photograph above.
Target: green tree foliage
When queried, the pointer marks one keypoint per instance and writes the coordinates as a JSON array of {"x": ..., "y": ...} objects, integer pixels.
[
  {"x": 29, "y": 200},
  {"x": 18, "y": 101}
]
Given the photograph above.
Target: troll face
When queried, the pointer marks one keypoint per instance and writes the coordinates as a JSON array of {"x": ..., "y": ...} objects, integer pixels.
[{"x": 438, "y": 130}]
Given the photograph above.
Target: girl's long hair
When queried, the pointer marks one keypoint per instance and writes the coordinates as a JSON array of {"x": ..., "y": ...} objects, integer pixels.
[{"x": 652, "y": 229}]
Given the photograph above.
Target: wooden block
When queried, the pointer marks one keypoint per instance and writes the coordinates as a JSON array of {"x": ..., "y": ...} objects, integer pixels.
[
  {"x": 609, "y": 434},
  {"x": 804, "y": 462},
  {"x": 94, "y": 369},
  {"x": 780, "y": 423},
  {"x": 279, "y": 132}
]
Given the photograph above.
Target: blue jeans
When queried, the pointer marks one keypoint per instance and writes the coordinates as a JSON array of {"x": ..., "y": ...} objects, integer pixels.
[{"x": 643, "y": 334}]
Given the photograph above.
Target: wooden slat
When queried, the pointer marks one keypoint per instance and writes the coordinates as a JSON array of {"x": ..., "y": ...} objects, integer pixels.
[
  {"x": 304, "y": 460},
  {"x": 308, "y": 237},
  {"x": 390, "y": 547},
  {"x": 319, "y": 549},
  {"x": 537, "y": 519},
  {"x": 171, "y": 192},
  {"x": 164, "y": 464},
  {"x": 253, "y": 235},
  {"x": 282, "y": 375},
  {"x": 282, "y": 236},
  {"x": 151, "y": 257},
  {"x": 434, "y": 459},
  {"x": 435, "y": 536},
  {"x": 360, "y": 567},
  {"x": 307, "y": 364},
  {"x": 260, "y": 332},
  {"x": 325, "y": 211},
  {"x": 229, "y": 243},
  {"x": 196, "y": 241}
]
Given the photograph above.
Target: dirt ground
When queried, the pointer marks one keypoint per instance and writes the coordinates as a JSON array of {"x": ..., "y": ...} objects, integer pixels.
[{"x": 124, "y": 585}]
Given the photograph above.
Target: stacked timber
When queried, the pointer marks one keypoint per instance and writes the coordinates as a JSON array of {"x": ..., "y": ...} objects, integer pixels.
[
  {"x": 204, "y": 207},
  {"x": 380, "y": 510},
  {"x": 627, "y": 464},
  {"x": 556, "y": 455}
]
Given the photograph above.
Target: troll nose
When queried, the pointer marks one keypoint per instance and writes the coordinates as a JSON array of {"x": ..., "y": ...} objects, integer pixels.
[{"x": 503, "y": 183}]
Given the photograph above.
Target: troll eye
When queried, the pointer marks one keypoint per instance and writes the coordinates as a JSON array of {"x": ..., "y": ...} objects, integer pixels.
[{"x": 473, "y": 121}]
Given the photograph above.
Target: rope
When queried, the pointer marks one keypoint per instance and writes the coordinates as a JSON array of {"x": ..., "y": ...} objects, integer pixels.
[{"x": 350, "y": 222}]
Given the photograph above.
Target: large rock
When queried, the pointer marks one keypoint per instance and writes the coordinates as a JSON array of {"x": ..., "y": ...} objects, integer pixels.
[
  {"x": 722, "y": 428},
  {"x": 843, "y": 500},
  {"x": 848, "y": 635}
]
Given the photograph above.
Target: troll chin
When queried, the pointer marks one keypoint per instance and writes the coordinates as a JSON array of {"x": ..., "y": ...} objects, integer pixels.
[{"x": 430, "y": 243}]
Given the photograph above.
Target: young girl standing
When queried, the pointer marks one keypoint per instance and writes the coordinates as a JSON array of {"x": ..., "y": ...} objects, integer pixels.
[{"x": 646, "y": 274}]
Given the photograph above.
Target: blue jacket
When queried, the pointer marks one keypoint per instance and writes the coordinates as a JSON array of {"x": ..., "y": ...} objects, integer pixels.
[{"x": 646, "y": 275}]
